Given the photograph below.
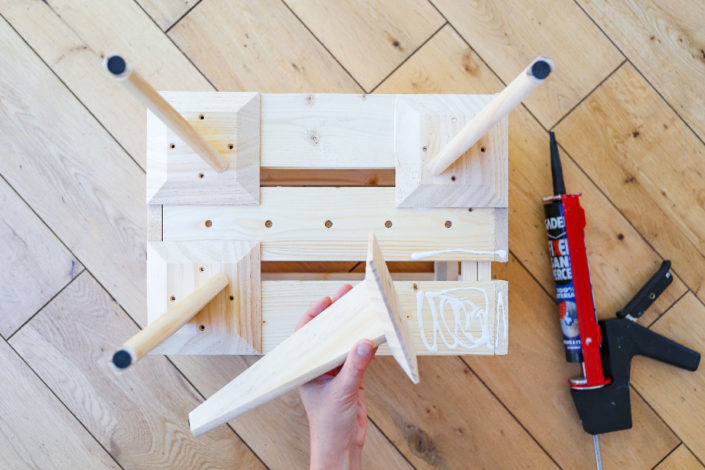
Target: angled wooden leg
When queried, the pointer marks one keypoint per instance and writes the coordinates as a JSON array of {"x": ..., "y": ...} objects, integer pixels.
[
  {"x": 170, "y": 322},
  {"x": 368, "y": 311}
]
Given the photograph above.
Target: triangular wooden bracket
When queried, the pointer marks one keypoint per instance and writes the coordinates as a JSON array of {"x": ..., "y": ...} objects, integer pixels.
[
  {"x": 232, "y": 322},
  {"x": 423, "y": 124},
  {"x": 369, "y": 311},
  {"x": 228, "y": 121}
]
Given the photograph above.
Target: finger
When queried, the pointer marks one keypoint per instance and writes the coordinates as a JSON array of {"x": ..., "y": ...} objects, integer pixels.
[
  {"x": 349, "y": 378},
  {"x": 314, "y": 310},
  {"x": 344, "y": 289}
]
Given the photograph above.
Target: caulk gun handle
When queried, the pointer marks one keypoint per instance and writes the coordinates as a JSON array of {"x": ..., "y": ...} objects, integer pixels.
[{"x": 659, "y": 347}]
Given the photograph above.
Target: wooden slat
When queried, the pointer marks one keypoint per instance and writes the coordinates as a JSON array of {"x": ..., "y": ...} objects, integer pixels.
[
  {"x": 369, "y": 38},
  {"x": 139, "y": 415},
  {"x": 449, "y": 420},
  {"x": 97, "y": 210},
  {"x": 676, "y": 394},
  {"x": 40, "y": 432},
  {"x": 73, "y": 36},
  {"x": 314, "y": 177},
  {"x": 508, "y": 36},
  {"x": 258, "y": 46},
  {"x": 648, "y": 163},
  {"x": 35, "y": 264},
  {"x": 532, "y": 381},
  {"x": 328, "y": 131},
  {"x": 664, "y": 40},
  {"x": 283, "y": 303},
  {"x": 680, "y": 459},
  {"x": 166, "y": 12},
  {"x": 620, "y": 260},
  {"x": 154, "y": 223},
  {"x": 326, "y": 224},
  {"x": 278, "y": 431}
]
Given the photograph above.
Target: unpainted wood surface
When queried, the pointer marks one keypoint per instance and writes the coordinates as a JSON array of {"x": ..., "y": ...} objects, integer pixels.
[
  {"x": 166, "y": 12},
  {"x": 681, "y": 458},
  {"x": 53, "y": 49}
]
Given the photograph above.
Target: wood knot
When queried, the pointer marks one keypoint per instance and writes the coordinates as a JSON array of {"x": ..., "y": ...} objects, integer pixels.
[{"x": 421, "y": 444}]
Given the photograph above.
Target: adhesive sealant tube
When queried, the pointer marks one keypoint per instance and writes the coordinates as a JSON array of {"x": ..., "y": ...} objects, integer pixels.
[{"x": 563, "y": 277}]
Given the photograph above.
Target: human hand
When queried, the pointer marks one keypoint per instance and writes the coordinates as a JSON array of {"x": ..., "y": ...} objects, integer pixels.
[{"x": 335, "y": 403}]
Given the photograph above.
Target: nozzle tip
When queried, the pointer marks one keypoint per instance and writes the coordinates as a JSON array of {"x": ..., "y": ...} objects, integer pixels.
[
  {"x": 122, "y": 359},
  {"x": 116, "y": 65},
  {"x": 541, "y": 69}
]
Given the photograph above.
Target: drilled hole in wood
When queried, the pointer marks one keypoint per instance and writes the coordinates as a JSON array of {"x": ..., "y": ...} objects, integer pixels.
[
  {"x": 201, "y": 116},
  {"x": 209, "y": 223},
  {"x": 425, "y": 149},
  {"x": 268, "y": 223},
  {"x": 452, "y": 178},
  {"x": 231, "y": 146},
  {"x": 201, "y": 269},
  {"x": 328, "y": 224},
  {"x": 201, "y": 175},
  {"x": 202, "y": 327},
  {"x": 172, "y": 298},
  {"x": 388, "y": 224},
  {"x": 469, "y": 209},
  {"x": 448, "y": 224},
  {"x": 414, "y": 286},
  {"x": 171, "y": 146},
  {"x": 482, "y": 149},
  {"x": 232, "y": 298}
]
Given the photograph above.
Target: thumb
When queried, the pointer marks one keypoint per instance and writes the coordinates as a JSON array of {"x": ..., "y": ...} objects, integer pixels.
[{"x": 349, "y": 379}]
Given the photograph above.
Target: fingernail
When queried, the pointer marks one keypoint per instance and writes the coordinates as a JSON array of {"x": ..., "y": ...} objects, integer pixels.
[{"x": 364, "y": 348}]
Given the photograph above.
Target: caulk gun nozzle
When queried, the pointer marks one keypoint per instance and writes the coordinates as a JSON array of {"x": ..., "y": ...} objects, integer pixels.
[{"x": 556, "y": 169}]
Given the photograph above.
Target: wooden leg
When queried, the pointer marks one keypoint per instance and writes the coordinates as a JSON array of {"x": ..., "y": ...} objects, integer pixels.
[{"x": 166, "y": 325}]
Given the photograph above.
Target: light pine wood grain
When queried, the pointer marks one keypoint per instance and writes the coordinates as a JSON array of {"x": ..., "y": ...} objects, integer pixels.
[
  {"x": 423, "y": 126},
  {"x": 36, "y": 264},
  {"x": 676, "y": 394},
  {"x": 369, "y": 50},
  {"x": 231, "y": 323},
  {"x": 319, "y": 224},
  {"x": 508, "y": 35},
  {"x": 228, "y": 123},
  {"x": 245, "y": 46},
  {"x": 53, "y": 144},
  {"x": 620, "y": 260},
  {"x": 284, "y": 301},
  {"x": 166, "y": 12},
  {"x": 154, "y": 223},
  {"x": 40, "y": 433},
  {"x": 532, "y": 381},
  {"x": 449, "y": 420},
  {"x": 73, "y": 36},
  {"x": 278, "y": 430},
  {"x": 140, "y": 415},
  {"x": 664, "y": 40},
  {"x": 681, "y": 458},
  {"x": 645, "y": 160}
]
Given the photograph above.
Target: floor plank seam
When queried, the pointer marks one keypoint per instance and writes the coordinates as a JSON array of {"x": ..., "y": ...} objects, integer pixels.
[
  {"x": 668, "y": 309},
  {"x": 667, "y": 455},
  {"x": 352, "y": 77},
  {"x": 166, "y": 31},
  {"x": 462, "y": 359},
  {"x": 65, "y": 406},
  {"x": 45, "y": 304},
  {"x": 658, "y": 92},
  {"x": 100, "y": 123},
  {"x": 403, "y": 455},
  {"x": 409, "y": 56}
]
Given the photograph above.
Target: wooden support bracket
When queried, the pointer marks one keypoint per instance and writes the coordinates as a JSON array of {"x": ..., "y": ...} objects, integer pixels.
[{"x": 369, "y": 311}]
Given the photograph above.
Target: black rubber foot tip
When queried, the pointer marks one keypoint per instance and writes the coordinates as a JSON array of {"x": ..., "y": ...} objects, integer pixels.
[
  {"x": 540, "y": 69},
  {"x": 116, "y": 64},
  {"x": 122, "y": 359}
]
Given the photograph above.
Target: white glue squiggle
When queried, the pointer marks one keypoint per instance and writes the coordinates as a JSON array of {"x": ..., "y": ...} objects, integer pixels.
[
  {"x": 465, "y": 315},
  {"x": 502, "y": 254},
  {"x": 501, "y": 320}
]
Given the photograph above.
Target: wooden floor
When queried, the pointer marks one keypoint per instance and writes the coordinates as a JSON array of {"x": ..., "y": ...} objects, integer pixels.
[{"x": 627, "y": 102}]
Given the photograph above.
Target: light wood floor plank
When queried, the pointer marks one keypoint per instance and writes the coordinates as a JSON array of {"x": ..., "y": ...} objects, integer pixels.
[
  {"x": 258, "y": 46},
  {"x": 680, "y": 459},
  {"x": 508, "y": 35},
  {"x": 139, "y": 415},
  {"x": 278, "y": 430},
  {"x": 677, "y": 394},
  {"x": 35, "y": 264},
  {"x": 620, "y": 261},
  {"x": 664, "y": 40},
  {"x": 448, "y": 420},
  {"x": 73, "y": 36},
  {"x": 36, "y": 430},
  {"x": 648, "y": 163},
  {"x": 369, "y": 38},
  {"x": 532, "y": 381},
  {"x": 166, "y": 12},
  {"x": 73, "y": 174}
]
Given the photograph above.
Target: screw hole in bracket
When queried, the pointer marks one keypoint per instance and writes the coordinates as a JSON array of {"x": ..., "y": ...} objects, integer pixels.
[
  {"x": 201, "y": 117},
  {"x": 448, "y": 224},
  {"x": 482, "y": 149},
  {"x": 328, "y": 224},
  {"x": 171, "y": 146},
  {"x": 231, "y": 146},
  {"x": 232, "y": 298},
  {"x": 202, "y": 327},
  {"x": 201, "y": 175},
  {"x": 388, "y": 224},
  {"x": 172, "y": 298},
  {"x": 268, "y": 223},
  {"x": 201, "y": 269},
  {"x": 424, "y": 148},
  {"x": 209, "y": 223}
]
